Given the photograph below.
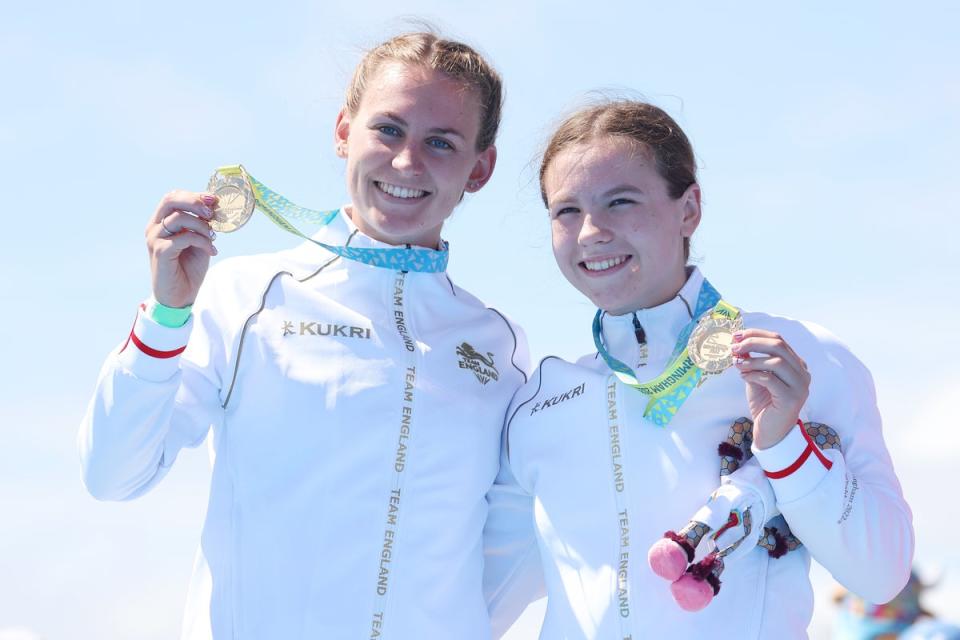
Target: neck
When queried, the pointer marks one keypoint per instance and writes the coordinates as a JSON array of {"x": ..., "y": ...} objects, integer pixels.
[
  {"x": 428, "y": 240},
  {"x": 663, "y": 295}
]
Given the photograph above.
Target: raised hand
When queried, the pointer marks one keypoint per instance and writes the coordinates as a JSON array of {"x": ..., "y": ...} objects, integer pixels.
[
  {"x": 778, "y": 383},
  {"x": 180, "y": 244}
]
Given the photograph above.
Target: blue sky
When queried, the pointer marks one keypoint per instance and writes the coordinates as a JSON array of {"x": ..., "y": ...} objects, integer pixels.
[{"x": 826, "y": 138}]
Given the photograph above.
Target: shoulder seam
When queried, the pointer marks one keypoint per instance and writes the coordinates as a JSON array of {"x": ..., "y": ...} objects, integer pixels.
[
  {"x": 243, "y": 333},
  {"x": 506, "y": 427},
  {"x": 512, "y": 333},
  {"x": 330, "y": 261}
]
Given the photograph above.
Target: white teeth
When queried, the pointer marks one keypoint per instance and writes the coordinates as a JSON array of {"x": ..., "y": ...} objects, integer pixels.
[
  {"x": 400, "y": 192},
  {"x": 600, "y": 265}
]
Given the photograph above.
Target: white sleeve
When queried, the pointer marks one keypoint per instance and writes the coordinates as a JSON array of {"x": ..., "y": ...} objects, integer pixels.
[
  {"x": 512, "y": 576},
  {"x": 847, "y": 508},
  {"x": 745, "y": 490},
  {"x": 155, "y": 395}
]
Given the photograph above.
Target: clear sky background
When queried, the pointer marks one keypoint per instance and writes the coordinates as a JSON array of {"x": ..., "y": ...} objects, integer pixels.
[{"x": 827, "y": 138}]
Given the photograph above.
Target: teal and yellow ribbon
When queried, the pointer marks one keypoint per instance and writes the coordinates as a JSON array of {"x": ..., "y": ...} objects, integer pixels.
[
  {"x": 669, "y": 390},
  {"x": 278, "y": 208}
]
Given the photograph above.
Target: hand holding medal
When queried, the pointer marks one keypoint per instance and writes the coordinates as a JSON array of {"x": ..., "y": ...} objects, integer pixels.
[
  {"x": 180, "y": 234},
  {"x": 180, "y": 244},
  {"x": 778, "y": 383}
]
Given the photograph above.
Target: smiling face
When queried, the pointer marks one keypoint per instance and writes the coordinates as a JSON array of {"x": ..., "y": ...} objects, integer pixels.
[
  {"x": 411, "y": 153},
  {"x": 618, "y": 236}
]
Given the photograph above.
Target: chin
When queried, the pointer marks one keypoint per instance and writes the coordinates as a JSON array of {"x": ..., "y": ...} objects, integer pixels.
[
  {"x": 602, "y": 297},
  {"x": 407, "y": 232},
  {"x": 613, "y": 305},
  {"x": 602, "y": 302},
  {"x": 614, "y": 309}
]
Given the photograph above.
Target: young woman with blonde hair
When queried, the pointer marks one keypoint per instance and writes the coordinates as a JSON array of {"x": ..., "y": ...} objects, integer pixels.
[{"x": 353, "y": 393}]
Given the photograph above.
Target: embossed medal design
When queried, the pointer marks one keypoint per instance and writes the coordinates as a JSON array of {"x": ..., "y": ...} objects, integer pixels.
[
  {"x": 710, "y": 342},
  {"x": 235, "y": 201}
]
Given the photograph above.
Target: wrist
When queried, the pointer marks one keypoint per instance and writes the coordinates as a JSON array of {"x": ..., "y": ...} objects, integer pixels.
[
  {"x": 172, "y": 317},
  {"x": 771, "y": 437},
  {"x": 795, "y": 466}
]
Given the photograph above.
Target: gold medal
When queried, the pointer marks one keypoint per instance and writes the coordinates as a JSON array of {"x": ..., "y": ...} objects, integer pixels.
[
  {"x": 710, "y": 343},
  {"x": 235, "y": 201}
]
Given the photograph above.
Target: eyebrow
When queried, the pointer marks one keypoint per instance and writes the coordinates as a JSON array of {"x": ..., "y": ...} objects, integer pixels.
[
  {"x": 621, "y": 188},
  {"x": 435, "y": 130},
  {"x": 572, "y": 197}
]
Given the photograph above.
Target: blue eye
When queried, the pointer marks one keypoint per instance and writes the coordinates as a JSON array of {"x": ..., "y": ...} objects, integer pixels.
[
  {"x": 389, "y": 130},
  {"x": 564, "y": 210},
  {"x": 439, "y": 143},
  {"x": 619, "y": 201}
]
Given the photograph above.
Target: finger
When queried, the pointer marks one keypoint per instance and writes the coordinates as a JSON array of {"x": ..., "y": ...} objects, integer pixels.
[
  {"x": 787, "y": 371},
  {"x": 170, "y": 248},
  {"x": 178, "y": 222},
  {"x": 772, "y": 348},
  {"x": 768, "y": 380},
  {"x": 749, "y": 341},
  {"x": 199, "y": 204},
  {"x": 753, "y": 332}
]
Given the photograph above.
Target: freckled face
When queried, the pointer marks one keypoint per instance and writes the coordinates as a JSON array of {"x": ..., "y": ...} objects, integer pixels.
[
  {"x": 617, "y": 233},
  {"x": 411, "y": 153}
]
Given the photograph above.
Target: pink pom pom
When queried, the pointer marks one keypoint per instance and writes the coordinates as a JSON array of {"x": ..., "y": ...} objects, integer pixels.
[
  {"x": 691, "y": 594},
  {"x": 667, "y": 559}
]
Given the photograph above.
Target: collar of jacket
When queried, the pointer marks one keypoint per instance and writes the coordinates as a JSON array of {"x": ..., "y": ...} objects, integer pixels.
[
  {"x": 662, "y": 325},
  {"x": 341, "y": 231}
]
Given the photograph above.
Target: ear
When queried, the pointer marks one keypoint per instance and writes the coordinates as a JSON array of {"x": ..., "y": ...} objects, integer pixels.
[
  {"x": 691, "y": 210},
  {"x": 341, "y": 132},
  {"x": 482, "y": 170}
]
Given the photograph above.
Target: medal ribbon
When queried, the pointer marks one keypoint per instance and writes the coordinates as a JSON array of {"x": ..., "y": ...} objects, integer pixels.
[
  {"x": 670, "y": 389},
  {"x": 278, "y": 209}
]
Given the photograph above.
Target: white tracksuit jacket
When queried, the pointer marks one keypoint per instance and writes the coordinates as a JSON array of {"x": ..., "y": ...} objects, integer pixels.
[
  {"x": 356, "y": 415},
  {"x": 557, "y": 460}
]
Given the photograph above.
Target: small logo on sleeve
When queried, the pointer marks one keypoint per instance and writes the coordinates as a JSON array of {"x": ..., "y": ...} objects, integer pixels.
[{"x": 481, "y": 366}]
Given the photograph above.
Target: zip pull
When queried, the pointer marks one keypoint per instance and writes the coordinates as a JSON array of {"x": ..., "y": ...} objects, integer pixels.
[{"x": 641, "y": 336}]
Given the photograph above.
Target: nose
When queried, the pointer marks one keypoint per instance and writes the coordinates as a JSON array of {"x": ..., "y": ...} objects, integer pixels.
[
  {"x": 407, "y": 160},
  {"x": 594, "y": 230}
]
